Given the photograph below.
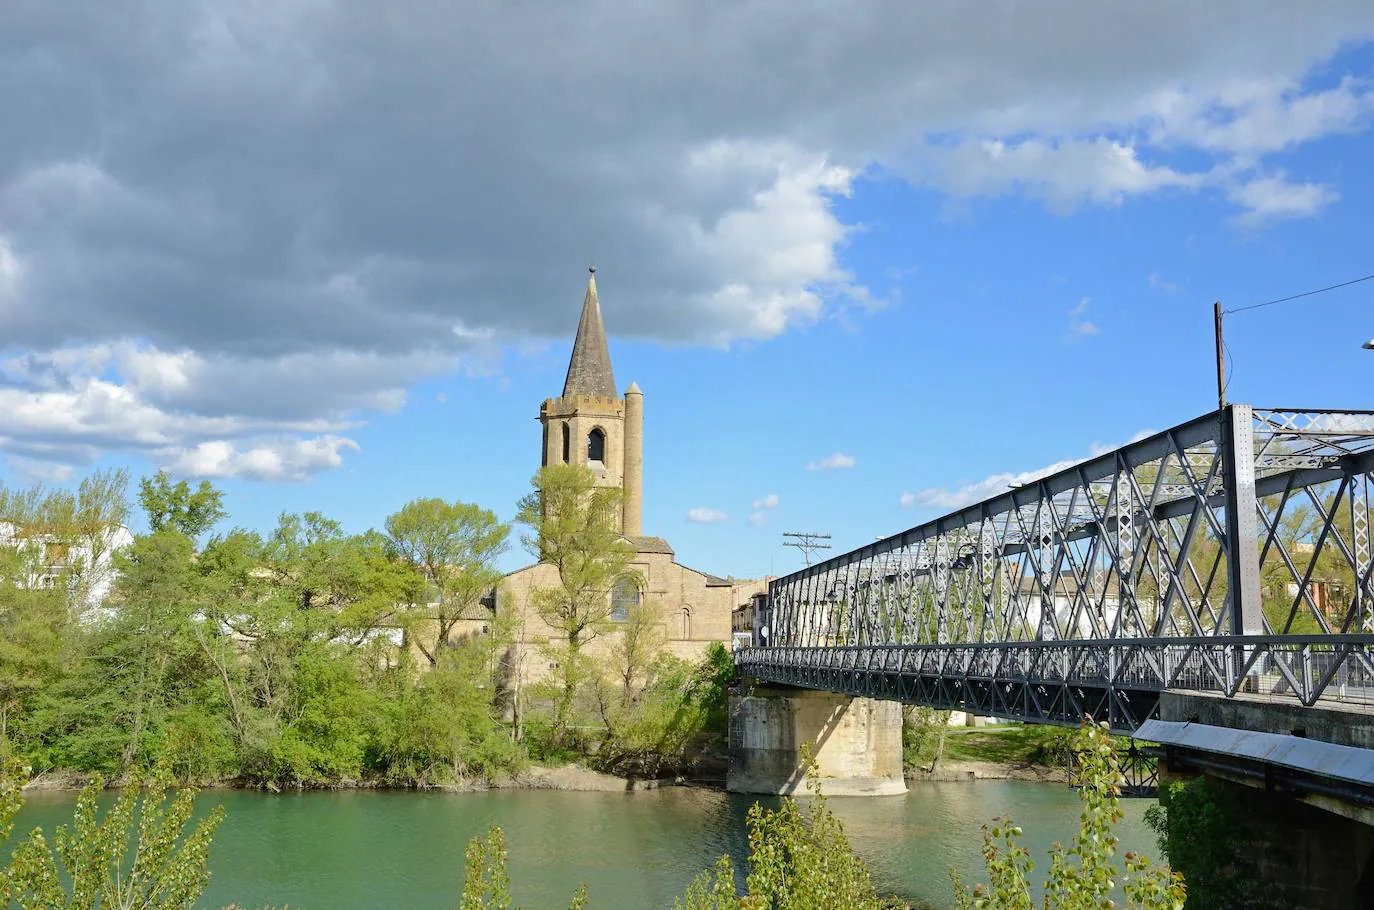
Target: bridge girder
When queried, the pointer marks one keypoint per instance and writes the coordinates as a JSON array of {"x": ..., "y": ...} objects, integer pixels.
[{"x": 1238, "y": 544}]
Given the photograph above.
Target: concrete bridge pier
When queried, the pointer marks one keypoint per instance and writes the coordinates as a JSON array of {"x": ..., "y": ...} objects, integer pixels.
[{"x": 855, "y": 742}]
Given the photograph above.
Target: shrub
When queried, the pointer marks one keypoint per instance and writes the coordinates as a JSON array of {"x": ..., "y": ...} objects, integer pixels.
[{"x": 1083, "y": 875}]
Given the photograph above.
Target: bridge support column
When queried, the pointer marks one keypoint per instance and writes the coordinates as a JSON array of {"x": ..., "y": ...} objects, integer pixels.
[{"x": 856, "y": 743}]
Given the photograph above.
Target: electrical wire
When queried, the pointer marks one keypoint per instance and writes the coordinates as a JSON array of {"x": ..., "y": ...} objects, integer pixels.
[
  {"x": 1256, "y": 306},
  {"x": 1230, "y": 368}
]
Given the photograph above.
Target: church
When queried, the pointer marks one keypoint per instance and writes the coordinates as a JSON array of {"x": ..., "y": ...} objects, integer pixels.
[{"x": 591, "y": 424}]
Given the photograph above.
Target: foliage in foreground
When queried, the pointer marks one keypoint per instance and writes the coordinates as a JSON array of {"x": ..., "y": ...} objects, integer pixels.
[
  {"x": 1083, "y": 875},
  {"x": 137, "y": 857}
]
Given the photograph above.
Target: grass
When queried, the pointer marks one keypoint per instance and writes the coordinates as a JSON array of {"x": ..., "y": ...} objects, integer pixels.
[{"x": 1014, "y": 744}]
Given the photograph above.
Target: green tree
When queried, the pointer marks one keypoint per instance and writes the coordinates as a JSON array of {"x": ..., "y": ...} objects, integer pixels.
[
  {"x": 288, "y": 623},
  {"x": 54, "y": 547},
  {"x": 442, "y": 724},
  {"x": 139, "y": 856},
  {"x": 453, "y": 546},
  {"x": 574, "y": 527},
  {"x": 1196, "y": 823},
  {"x": 1083, "y": 875},
  {"x": 178, "y": 507}
]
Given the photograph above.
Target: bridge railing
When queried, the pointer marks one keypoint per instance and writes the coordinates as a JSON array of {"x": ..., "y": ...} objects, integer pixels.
[
  {"x": 1241, "y": 522},
  {"x": 1332, "y": 669}
]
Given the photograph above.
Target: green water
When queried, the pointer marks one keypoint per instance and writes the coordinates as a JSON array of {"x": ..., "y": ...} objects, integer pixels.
[{"x": 355, "y": 850}]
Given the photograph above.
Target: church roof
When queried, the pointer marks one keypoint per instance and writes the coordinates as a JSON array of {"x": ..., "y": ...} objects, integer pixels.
[
  {"x": 589, "y": 370},
  {"x": 650, "y": 545}
]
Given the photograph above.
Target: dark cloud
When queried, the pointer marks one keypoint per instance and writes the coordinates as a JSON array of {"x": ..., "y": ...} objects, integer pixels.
[{"x": 346, "y": 198}]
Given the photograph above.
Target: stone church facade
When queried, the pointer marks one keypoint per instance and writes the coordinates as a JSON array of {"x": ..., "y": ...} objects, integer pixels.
[{"x": 591, "y": 424}]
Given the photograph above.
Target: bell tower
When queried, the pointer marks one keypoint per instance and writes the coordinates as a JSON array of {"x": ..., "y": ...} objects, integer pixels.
[{"x": 590, "y": 424}]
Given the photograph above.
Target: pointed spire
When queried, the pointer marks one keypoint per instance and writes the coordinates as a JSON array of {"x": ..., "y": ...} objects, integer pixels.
[{"x": 589, "y": 370}]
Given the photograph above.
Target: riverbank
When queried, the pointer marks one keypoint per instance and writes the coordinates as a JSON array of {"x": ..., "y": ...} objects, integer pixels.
[
  {"x": 1024, "y": 752},
  {"x": 970, "y": 771},
  {"x": 570, "y": 777}
]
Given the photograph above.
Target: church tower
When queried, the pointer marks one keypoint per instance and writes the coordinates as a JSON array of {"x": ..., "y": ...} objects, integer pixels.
[{"x": 591, "y": 425}]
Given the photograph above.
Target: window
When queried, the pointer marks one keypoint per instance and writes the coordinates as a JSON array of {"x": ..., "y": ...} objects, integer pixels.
[
  {"x": 596, "y": 445},
  {"x": 624, "y": 595},
  {"x": 686, "y": 623},
  {"x": 567, "y": 445}
]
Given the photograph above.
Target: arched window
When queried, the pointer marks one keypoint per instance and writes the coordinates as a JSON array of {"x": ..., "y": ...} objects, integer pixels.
[
  {"x": 686, "y": 622},
  {"x": 567, "y": 444},
  {"x": 624, "y": 595},
  {"x": 596, "y": 445}
]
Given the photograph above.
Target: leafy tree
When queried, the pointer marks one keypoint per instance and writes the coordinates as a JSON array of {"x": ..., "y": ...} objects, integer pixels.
[
  {"x": 287, "y": 622},
  {"x": 923, "y": 737},
  {"x": 1083, "y": 875},
  {"x": 442, "y": 723},
  {"x": 54, "y": 546},
  {"x": 453, "y": 546},
  {"x": 574, "y": 527},
  {"x": 178, "y": 507},
  {"x": 139, "y": 856},
  {"x": 637, "y": 645},
  {"x": 1196, "y": 823},
  {"x": 679, "y": 712}
]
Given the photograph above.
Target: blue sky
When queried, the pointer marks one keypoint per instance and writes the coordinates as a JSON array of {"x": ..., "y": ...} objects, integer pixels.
[{"x": 324, "y": 290}]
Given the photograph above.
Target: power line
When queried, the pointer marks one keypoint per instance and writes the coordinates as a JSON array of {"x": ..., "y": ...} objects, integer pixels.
[{"x": 1343, "y": 284}]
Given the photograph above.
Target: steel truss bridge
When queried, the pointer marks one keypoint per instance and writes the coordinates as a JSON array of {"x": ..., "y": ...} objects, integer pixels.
[{"x": 1229, "y": 555}]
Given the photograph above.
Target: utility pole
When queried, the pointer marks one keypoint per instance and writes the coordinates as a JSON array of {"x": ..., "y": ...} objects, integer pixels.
[
  {"x": 805, "y": 541},
  {"x": 1221, "y": 358}
]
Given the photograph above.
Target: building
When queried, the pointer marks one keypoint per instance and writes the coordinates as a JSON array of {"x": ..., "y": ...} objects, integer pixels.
[
  {"x": 591, "y": 424},
  {"x": 83, "y": 562}
]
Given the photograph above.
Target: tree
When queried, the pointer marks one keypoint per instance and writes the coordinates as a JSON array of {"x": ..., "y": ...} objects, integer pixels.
[
  {"x": 53, "y": 545},
  {"x": 574, "y": 527},
  {"x": 288, "y": 622},
  {"x": 178, "y": 507},
  {"x": 1083, "y": 875},
  {"x": 453, "y": 546},
  {"x": 139, "y": 856}
]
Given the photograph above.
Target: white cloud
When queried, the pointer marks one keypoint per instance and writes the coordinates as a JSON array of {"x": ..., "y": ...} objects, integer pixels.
[
  {"x": 1252, "y": 117},
  {"x": 1159, "y": 284},
  {"x": 832, "y": 462},
  {"x": 38, "y": 470},
  {"x": 1080, "y": 327},
  {"x": 281, "y": 461},
  {"x": 1272, "y": 198},
  {"x": 944, "y": 499},
  {"x": 757, "y": 518},
  {"x": 703, "y": 516},
  {"x": 767, "y": 502},
  {"x": 1064, "y": 172}
]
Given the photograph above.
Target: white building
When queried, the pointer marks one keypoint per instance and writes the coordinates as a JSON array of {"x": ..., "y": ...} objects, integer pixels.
[{"x": 85, "y": 562}]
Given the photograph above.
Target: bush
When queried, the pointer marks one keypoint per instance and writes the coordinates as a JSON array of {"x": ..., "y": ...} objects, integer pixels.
[
  {"x": 1196, "y": 823},
  {"x": 99, "y": 862},
  {"x": 1083, "y": 875}
]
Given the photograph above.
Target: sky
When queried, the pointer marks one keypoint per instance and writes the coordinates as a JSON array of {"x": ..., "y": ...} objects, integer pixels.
[{"x": 869, "y": 261}]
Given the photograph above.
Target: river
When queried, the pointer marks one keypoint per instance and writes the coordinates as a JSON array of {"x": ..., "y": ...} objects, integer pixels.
[{"x": 351, "y": 850}]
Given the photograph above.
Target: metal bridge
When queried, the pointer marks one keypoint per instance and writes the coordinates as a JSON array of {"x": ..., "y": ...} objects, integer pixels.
[{"x": 1230, "y": 555}]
